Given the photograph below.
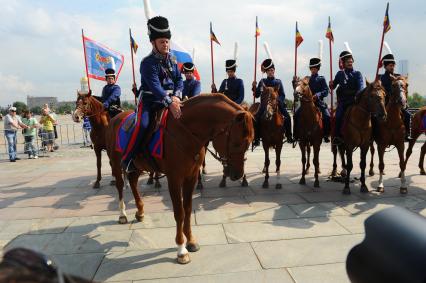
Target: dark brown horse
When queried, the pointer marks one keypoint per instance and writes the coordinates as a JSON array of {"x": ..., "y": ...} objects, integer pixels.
[
  {"x": 416, "y": 131},
  {"x": 357, "y": 131},
  {"x": 204, "y": 118},
  {"x": 309, "y": 128},
  {"x": 392, "y": 130},
  {"x": 89, "y": 106},
  {"x": 271, "y": 130}
]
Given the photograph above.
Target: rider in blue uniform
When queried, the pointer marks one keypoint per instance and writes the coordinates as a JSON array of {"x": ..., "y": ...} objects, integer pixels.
[
  {"x": 388, "y": 62},
  {"x": 268, "y": 67},
  {"x": 232, "y": 87},
  {"x": 318, "y": 87},
  {"x": 349, "y": 83},
  {"x": 191, "y": 86},
  {"x": 111, "y": 94},
  {"x": 161, "y": 83}
]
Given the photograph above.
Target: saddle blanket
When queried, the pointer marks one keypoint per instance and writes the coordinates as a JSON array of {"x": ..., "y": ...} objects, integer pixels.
[
  {"x": 423, "y": 126},
  {"x": 126, "y": 131}
]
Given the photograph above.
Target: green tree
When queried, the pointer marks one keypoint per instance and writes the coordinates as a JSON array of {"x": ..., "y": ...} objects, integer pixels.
[
  {"x": 65, "y": 108},
  {"x": 126, "y": 105},
  {"x": 36, "y": 110},
  {"x": 20, "y": 107},
  {"x": 416, "y": 100},
  {"x": 289, "y": 103}
]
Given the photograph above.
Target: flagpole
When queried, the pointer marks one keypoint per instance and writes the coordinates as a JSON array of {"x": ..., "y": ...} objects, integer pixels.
[
  {"x": 211, "y": 53},
  {"x": 295, "y": 53},
  {"x": 381, "y": 45},
  {"x": 133, "y": 63},
  {"x": 255, "y": 61},
  {"x": 85, "y": 60},
  {"x": 331, "y": 74}
]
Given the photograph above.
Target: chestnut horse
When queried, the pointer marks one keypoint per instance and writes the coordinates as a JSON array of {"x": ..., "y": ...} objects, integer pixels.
[
  {"x": 205, "y": 118},
  {"x": 392, "y": 130},
  {"x": 90, "y": 106},
  {"x": 416, "y": 131},
  {"x": 271, "y": 130},
  {"x": 308, "y": 128},
  {"x": 357, "y": 131}
]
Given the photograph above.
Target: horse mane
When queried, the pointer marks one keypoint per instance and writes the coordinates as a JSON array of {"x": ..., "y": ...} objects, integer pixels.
[{"x": 210, "y": 98}]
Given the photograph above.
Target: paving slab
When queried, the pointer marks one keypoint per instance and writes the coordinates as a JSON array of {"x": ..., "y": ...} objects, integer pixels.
[
  {"x": 325, "y": 273},
  {"x": 321, "y": 209}
]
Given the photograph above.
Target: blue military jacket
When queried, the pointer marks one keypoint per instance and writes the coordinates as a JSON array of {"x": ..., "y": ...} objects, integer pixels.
[
  {"x": 350, "y": 83},
  {"x": 271, "y": 82},
  {"x": 233, "y": 88},
  {"x": 111, "y": 95},
  {"x": 387, "y": 81},
  {"x": 318, "y": 86},
  {"x": 191, "y": 88},
  {"x": 160, "y": 79}
]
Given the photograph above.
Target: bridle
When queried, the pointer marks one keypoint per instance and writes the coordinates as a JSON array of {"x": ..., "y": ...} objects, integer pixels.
[
  {"x": 398, "y": 94},
  {"x": 85, "y": 107},
  {"x": 300, "y": 95}
]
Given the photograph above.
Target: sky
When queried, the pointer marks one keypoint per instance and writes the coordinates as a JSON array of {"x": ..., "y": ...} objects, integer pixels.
[{"x": 42, "y": 52}]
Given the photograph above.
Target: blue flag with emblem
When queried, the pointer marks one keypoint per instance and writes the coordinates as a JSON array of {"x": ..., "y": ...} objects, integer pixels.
[{"x": 99, "y": 58}]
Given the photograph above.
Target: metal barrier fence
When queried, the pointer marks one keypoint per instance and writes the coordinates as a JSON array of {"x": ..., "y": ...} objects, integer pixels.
[{"x": 67, "y": 134}]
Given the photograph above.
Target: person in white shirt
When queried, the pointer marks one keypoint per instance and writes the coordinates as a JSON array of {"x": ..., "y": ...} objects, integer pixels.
[{"x": 12, "y": 124}]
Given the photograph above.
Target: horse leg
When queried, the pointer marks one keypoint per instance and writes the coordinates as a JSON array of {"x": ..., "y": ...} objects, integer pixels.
[
  {"x": 200, "y": 181},
  {"x": 244, "y": 182},
  {"x": 119, "y": 184},
  {"x": 334, "y": 151},
  {"x": 317, "y": 148},
  {"x": 278, "y": 149},
  {"x": 344, "y": 171},
  {"x": 223, "y": 181},
  {"x": 157, "y": 184},
  {"x": 302, "y": 147},
  {"x": 265, "y": 184},
  {"x": 372, "y": 150},
  {"x": 349, "y": 166},
  {"x": 381, "y": 148},
  {"x": 204, "y": 171},
  {"x": 403, "y": 188},
  {"x": 112, "y": 182},
  {"x": 308, "y": 160},
  {"x": 150, "y": 179},
  {"x": 414, "y": 136},
  {"x": 133, "y": 181},
  {"x": 98, "y": 153},
  {"x": 363, "y": 165},
  {"x": 422, "y": 159},
  {"x": 187, "y": 190},
  {"x": 175, "y": 189}
]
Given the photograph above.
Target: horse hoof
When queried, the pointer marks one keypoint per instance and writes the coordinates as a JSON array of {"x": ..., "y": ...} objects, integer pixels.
[
  {"x": 346, "y": 191},
  {"x": 302, "y": 181},
  {"x": 343, "y": 173},
  {"x": 204, "y": 171},
  {"x": 244, "y": 183},
  {"x": 333, "y": 173},
  {"x": 364, "y": 189},
  {"x": 138, "y": 217},
  {"x": 371, "y": 173},
  {"x": 200, "y": 186},
  {"x": 264, "y": 170},
  {"x": 265, "y": 185},
  {"x": 112, "y": 183},
  {"x": 183, "y": 259},
  {"x": 157, "y": 185},
  {"x": 96, "y": 185},
  {"x": 193, "y": 247},
  {"x": 278, "y": 186},
  {"x": 222, "y": 184},
  {"x": 380, "y": 189},
  {"x": 403, "y": 191},
  {"x": 316, "y": 184},
  {"x": 422, "y": 172},
  {"x": 122, "y": 219},
  {"x": 150, "y": 181}
]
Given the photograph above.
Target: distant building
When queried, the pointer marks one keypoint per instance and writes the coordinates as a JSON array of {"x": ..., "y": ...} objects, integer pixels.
[
  {"x": 33, "y": 101},
  {"x": 403, "y": 67}
]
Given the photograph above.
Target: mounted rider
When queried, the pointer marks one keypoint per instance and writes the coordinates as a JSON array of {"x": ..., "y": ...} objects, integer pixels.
[
  {"x": 111, "y": 93},
  {"x": 232, "y": 87},
  {"x": 161, "y": 84},
  {"x": 268, "y": 67},
  {"x": 191, "y": 86},
  {"x": 349, "y": 82},
  {"x": 319, "y": 89},
  {"x": 388, "y": 62}
]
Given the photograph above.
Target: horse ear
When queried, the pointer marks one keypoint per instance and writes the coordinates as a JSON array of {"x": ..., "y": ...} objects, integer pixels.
[{"x": 367, "y": 82}]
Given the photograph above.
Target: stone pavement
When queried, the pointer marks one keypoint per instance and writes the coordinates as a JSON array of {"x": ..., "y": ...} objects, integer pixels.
[{"x": 296, "y": 234}]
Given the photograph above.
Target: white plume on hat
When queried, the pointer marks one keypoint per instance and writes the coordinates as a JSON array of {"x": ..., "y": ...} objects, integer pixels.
[
  {"x": 347, "y": 47},
  {"x": 112, "y": 63},
  {"x": 193, "y": 55},
  {"x": 387, "y": 47},
  {"x": 148, "y": 11},
  {"x": 320, "y": 48},
  {"x": 235, "y": 51},
  {"x": 267, "y": 50}
]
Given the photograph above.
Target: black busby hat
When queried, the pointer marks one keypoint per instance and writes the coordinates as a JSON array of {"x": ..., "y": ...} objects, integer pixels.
[
  {"x": 188, "y": 67},
  {"x": 231, "y": 65},
  {"x": 388, "y": 59},
  {"x": 109, "y": 72},
  {"x": 345, "y": 54},
  {"x": 158, "y": 27},
  {"x": 267, "y": 64},
  {"x": 315, "y": 63}
]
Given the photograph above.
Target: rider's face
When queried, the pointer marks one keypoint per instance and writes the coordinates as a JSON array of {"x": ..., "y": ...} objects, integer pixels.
[
  {"x": 189, "y": 75},
  {"x": 231, "y": 73},
  {"x": 162, "y": 45},
  {"x": 110, "y": 80},
  {"x": 314, "y": 71},
  {"x": 349, "y": 62},
  {"x": 390, "y": 68},
  {"x": 270, "y": 72}
]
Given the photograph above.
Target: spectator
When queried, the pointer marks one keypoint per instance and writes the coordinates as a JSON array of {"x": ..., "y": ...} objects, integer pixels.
[
  {"x": 48, "y": 135},
  {"x": 86, "y": 132},
  {"x": 55, "y": 123},
  {"x": 11, "y": 125},
  {"x": 30, "y": 134}
]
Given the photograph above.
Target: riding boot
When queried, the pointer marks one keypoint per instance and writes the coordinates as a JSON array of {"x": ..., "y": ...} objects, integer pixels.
[
  {"x": 326, "y": 128},
  {"x": 407, "y": 124},
  {"x": 256, "y": 141},
  {"x": 288, "y": 134},
  {"x": 295, "y": 131}
]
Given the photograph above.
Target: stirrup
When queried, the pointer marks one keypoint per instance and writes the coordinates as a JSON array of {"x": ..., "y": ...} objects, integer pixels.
[{"x": 129, "y": 167}]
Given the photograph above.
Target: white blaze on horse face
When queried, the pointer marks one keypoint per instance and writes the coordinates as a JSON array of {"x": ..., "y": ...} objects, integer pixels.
[
  {"x": 122, "y": 206},
  {"x": 182, "y": 250},
  {"x": 298, "y": 89}
]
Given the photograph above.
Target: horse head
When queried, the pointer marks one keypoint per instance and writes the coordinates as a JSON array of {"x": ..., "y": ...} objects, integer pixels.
[
  {"x": 302, "y": 91},
  {"x": 270, "y": 98},
  {"x": 86, "y": 105},
  {"x": 373, "y": 99},
  {"x": 233, "y": 142},
  {"x": 399, "y": 90}
]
